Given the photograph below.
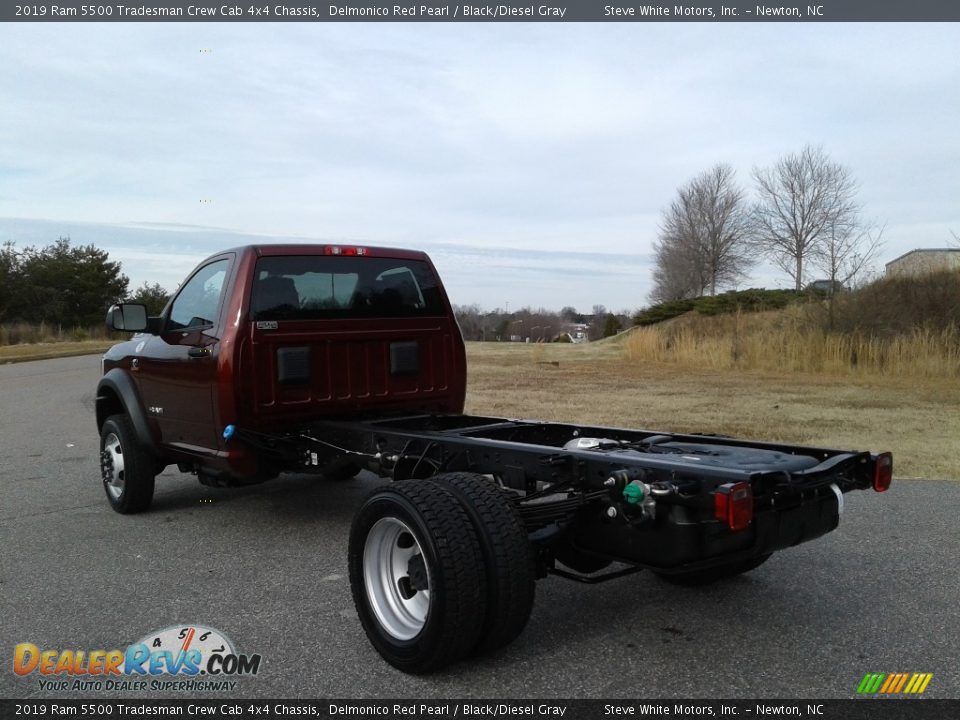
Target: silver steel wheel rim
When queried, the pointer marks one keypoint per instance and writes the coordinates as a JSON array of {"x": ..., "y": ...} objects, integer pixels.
[
  {"x": 387, "y": 554},
  {"x": 113, "y": 468}
]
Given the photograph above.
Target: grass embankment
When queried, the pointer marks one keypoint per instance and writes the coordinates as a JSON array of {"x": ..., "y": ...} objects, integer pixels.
[
  {"x": 45, "y": 351},
  {"x": 600, "y": 383},
  {"x": 20, "y": 341},
  {"x": 788, "y": 341}
]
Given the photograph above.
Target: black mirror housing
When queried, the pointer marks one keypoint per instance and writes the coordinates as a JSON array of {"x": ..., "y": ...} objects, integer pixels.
[{"x": 129, "y": 317}]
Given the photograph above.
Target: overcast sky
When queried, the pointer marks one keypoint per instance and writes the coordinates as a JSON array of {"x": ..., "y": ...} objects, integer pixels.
[{"x": 531, "y": 161}]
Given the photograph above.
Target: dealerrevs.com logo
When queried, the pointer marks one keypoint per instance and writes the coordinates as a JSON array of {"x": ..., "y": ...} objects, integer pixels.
[{"x": 187, "y": 658}]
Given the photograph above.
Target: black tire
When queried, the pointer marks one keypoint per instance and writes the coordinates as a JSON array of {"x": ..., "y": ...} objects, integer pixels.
[
  {"x": 127, "y": 469},
  {"x": 582, "y": 562},
  {"x": 507, "y": 556},
  {"x": 423, "y": 523},
  {"x": 697, "y": 578}
]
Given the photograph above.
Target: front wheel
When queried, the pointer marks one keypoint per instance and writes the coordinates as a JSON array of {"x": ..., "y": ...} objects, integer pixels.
[
  {"x": 126, "y": 468},
  {"x": 416, "y": 572},
  {"x": 706, "y": 576}
]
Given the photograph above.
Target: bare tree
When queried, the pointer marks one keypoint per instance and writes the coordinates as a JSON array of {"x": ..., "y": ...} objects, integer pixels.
[
  {"x": 846, "y": 251},
  {"x": 676, "y": 273},
  {"x": 704, "y": 237},
  {"x": 802, "y": 199},
  {"x": 540, "y": 325},
  {"x": 725, "y": 226},
  {"x": 471, "y": 321},
  {"x": 844, "y": 254},
  {"x": 597, "y": 318}
]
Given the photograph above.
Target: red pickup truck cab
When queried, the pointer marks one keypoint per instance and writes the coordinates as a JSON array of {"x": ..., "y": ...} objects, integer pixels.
[{"x": 266, "y": 337}]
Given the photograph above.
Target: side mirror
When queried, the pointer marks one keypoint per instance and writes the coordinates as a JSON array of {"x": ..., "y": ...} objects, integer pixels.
[{"x": 130, "y": 317}]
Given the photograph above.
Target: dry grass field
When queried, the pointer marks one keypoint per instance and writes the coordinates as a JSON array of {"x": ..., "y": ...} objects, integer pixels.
[
  {"x": 604, "y": 383},
  {"x": 791, "y": 339},
  {"x": 44, "y": 351},
  {"x": 918, "y": 420}
]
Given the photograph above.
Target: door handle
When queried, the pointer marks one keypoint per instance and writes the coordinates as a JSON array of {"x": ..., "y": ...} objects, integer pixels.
[{"x": 198, "y": 352}]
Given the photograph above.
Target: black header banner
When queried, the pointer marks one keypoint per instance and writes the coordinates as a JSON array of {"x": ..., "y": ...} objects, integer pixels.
[
  {"x": 411, "y": 709},
  {"x": 498, "y": 11}
]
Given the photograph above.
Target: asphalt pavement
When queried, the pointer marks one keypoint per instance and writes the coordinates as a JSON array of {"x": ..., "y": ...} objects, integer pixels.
[{"x": 266, "y": 565}]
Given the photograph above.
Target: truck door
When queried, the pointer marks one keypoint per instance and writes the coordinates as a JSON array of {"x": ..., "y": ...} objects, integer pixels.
[{"x": 178, "y": 369}]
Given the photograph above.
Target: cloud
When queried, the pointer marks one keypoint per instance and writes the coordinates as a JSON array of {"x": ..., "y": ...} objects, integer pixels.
[{"x": 526, "y": 137}]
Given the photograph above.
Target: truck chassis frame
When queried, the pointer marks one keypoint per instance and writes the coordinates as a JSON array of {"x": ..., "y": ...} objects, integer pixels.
[{"x": 572, "y": 497}]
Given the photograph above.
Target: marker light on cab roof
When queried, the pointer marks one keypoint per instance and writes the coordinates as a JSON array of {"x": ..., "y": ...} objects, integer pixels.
[{"x": 347, "y": 251}]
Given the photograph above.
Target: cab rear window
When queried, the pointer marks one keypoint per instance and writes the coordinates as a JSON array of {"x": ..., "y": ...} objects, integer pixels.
[{"x": 311, "y": 287}]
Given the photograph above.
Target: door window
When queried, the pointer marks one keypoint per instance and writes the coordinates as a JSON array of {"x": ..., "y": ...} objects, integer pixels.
[{"x": 197, "y": 302}]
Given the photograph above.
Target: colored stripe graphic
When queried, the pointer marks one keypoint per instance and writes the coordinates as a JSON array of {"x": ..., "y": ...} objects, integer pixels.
[
  {"x": 900, "y": 682},
  {"x": 894, "y": 683},
  {"x": 870, "y": 683},
  {"x": 918, "y": 683}
]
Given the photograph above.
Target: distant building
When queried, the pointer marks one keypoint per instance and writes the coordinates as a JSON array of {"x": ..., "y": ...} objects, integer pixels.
[
  {"x": 923, "y": 261},
  {"x": 578, "y": 331}
]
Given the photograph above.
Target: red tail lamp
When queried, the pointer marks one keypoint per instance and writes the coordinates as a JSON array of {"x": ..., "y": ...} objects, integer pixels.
[
  {"x": 883, "y": 472},
  {"x": 733, "y": 504}
]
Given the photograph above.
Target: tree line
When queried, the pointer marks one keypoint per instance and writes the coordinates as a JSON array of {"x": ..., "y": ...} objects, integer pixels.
[
  {"x": 540, "y": 325},
  {"x": 804, "y": 213},
  {"x": 72, "y": 286},
  {"x": 66, "y": 285}
]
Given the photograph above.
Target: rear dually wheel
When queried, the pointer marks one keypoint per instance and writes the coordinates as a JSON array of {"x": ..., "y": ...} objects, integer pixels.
[
  {"x": 416, "y": 573},
  {"x": 507, "y": 556}
]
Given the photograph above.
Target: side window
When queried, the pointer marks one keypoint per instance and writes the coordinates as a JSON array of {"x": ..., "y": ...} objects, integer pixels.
[
  {"x": 400, "y": 286},
  {"x": 197, "y": 302}
]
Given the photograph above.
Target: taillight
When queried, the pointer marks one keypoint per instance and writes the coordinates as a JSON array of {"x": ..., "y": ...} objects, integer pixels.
[
  {"x": 733, "y": 504},
  {"x": 883, "y": 472},
  {"x": 348, "y": 251}
]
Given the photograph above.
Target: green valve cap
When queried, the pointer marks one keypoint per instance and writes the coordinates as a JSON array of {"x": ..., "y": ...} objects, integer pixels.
[{"x": 633, "y": 493}]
